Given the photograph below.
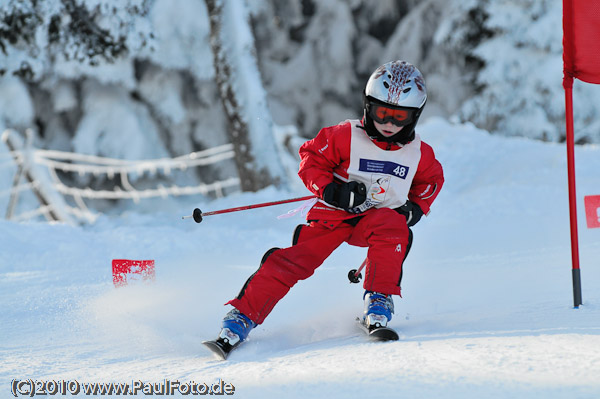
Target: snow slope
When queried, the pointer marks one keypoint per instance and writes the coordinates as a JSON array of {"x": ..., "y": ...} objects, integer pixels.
[{"x": 487, "y": 308}]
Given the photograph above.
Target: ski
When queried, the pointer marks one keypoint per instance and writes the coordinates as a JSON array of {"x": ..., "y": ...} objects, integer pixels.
[
  {"x": 220, "y": 347},
  {"x": 378, "y": 333}
]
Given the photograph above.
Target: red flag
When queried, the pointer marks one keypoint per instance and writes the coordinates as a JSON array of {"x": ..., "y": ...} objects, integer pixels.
[
  {"x": 126, "y": 270},
  {"x": 581, "y": 41},
  {"x": 592, "y": 210}
]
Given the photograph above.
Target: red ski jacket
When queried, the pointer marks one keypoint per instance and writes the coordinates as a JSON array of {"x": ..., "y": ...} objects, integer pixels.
[{"x": 329, "y": 153}]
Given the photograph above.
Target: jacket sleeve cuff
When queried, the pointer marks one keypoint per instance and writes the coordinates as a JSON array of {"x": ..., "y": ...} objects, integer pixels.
[
  {"x": 317, "y": 186},
  {"x": 422, "y": 204}
]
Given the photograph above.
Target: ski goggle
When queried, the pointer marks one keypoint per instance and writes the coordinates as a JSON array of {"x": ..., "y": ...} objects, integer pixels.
[{"x": 383, "y": 114}]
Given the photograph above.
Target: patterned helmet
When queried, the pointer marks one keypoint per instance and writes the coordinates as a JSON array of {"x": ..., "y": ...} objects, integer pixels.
[{"x": 395, "y": 93}]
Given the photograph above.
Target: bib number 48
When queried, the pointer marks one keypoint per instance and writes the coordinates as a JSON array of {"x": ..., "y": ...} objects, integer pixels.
[
  {"x": 383, "y": 167},
  {"x": 400, "y": 171}
]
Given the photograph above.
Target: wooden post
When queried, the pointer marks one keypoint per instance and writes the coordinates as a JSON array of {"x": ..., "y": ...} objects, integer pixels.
[{"x": 51, "y": 215}]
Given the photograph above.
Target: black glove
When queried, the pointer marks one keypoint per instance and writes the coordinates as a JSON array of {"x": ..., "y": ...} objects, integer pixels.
[
  {"x": 345, "y": 195},
  {"x": 412, "y": 212}
]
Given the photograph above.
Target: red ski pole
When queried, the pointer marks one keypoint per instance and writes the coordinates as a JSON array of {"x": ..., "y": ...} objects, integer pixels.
[{"x": 198, "y": 214}]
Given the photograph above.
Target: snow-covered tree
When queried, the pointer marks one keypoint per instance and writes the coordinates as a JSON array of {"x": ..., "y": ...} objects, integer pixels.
[
  {"x": 34, "y": 35},
  {"x": 249, "y": 123},
  {"x": 519, "y": 86}
]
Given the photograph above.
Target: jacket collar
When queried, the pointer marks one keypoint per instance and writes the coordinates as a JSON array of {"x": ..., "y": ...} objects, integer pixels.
[{"x": 381, "y": 144}]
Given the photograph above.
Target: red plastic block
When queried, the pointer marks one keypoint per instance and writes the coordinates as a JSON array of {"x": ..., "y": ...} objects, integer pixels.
[
  {"x": 127, "y": 270},
  {"x": 592, "y": 210}
]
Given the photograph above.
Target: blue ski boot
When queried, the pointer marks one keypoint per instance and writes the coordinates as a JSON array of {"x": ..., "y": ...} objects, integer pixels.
[
  {"x": 378, "y": 309},
  {"x": 236, "y": 327}
]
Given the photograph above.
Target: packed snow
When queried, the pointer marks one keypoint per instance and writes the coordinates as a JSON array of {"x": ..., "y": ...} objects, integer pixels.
[{"x": 487, "y": 295}]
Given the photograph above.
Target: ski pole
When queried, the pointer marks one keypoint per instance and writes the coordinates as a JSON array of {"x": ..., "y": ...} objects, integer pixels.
[
  {"x": 354, "y": 275},
  {"x": 197, "y": 215}
]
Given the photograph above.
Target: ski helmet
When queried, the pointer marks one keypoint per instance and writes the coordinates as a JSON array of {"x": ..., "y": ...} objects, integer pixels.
[{"x": 395, "y": 93}]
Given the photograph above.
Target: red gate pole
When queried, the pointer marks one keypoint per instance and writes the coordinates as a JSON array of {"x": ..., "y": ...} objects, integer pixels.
[{"x": 570, "y": 142}]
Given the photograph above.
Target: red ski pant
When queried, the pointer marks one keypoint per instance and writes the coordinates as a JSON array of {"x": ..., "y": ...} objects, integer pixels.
[{"x": 383, "y": 231}]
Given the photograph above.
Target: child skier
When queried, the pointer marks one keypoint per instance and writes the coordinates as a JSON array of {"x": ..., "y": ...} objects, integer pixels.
[{"x": 375, "y": 178}]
